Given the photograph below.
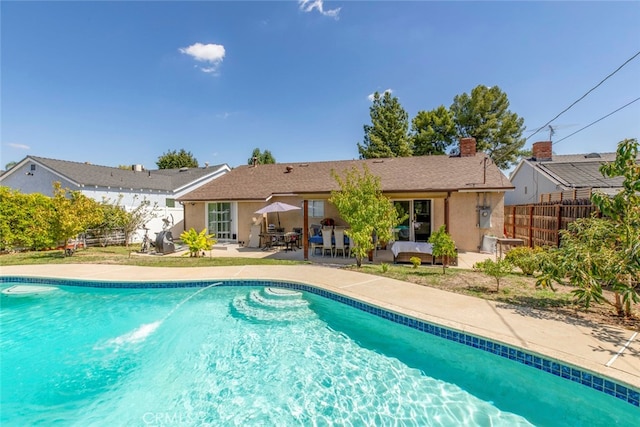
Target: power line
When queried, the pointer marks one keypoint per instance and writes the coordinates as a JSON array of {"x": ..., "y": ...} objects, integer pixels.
[
  {"x": 593, "y": 123},
  {"x": 583, "y": 96},
  {"x": 510, "y": 151}
]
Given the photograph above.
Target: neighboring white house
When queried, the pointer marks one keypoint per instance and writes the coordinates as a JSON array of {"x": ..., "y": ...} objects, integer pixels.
[
  {"x": 131, "y": 186},
  {"x": 546, "y": 173}
]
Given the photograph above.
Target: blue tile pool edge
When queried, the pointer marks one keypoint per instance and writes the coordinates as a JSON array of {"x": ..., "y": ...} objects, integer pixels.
[{"x": 582, "y": 376}]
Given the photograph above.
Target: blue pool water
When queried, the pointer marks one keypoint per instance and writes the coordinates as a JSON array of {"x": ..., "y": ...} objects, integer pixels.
[{"x": 260, "y": 356}]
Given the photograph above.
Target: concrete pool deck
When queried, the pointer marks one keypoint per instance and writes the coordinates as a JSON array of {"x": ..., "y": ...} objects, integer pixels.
[{"x": 606, "y": 350}]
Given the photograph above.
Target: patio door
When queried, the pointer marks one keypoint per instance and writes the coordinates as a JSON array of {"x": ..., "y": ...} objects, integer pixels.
[
  {"x": 219, "y": 220},
  {"x": 403, "y": 231},
  {"x": 417, "y": 225},
  {"x": 422, "y": 220}
]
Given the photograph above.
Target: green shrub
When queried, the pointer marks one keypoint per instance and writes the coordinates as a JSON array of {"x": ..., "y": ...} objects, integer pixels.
[
  {"x": 197, "y": 242},
  {"x": 526, "y": 259},
  {"x": 443, "y": 246},
  {"x": 496, "y": 269},
  {"x": 384, "y": 266},
  {"x": 415, "y": 261}
]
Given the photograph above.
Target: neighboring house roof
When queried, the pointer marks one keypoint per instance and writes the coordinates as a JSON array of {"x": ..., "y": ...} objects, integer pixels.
[
  {"x": 398, "y": 174},
  {"x": 85, "y": 174},
  {"x": 576, "y": 170}
]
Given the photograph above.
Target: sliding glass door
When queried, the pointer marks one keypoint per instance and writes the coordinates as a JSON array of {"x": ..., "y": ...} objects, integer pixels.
[
  {"x": 421, "y": 220},
  {"x": 417, "y": 224},
  {"x": 403, "y": 231}
]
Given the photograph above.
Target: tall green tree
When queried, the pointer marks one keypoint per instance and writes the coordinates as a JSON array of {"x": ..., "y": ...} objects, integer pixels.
[
  {"x": 485, "y": 116},
  {"x": 432, "y": 132},
  {"x": 362, "y": 205},
  {"x": 624, "y": 211},
  {"x": 262, "y": 158},
  {"x": 10, "y": 165},
  {"x": 387, "y": 135},
  {"x": 177, "y": 159},
  {"x": 599, "y": 253}
]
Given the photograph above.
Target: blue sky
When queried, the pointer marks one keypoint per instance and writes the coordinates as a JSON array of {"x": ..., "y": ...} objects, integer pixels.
[{"x": 123, "y": 82}]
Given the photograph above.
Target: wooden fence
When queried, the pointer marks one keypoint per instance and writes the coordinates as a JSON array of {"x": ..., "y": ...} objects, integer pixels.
[
  {"x": 575, "y": 194},
  {"x": 96, "y": 237},
  {"x": 540, "y": 224}
]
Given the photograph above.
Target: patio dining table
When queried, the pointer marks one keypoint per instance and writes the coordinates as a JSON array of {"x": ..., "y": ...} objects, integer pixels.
[
  {"x": 268, "y": 240},
  {"x": 278, "y": 238}
]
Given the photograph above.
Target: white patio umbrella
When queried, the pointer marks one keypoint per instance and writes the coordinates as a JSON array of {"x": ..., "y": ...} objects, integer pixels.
[{"x": 277, "y": 207}]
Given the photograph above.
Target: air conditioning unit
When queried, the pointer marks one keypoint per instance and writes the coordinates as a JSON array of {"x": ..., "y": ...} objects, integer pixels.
[{"x": 484, "y": 218}]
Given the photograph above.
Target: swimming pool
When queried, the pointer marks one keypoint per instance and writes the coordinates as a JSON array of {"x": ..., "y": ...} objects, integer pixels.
[{"x": 252, "y": 354}]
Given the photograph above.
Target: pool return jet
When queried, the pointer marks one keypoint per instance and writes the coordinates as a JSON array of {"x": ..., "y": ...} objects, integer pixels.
[{"x": 143, "y": 331}]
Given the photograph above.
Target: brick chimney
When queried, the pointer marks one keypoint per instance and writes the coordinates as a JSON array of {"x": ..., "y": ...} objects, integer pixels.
[
  {"x": 542, "y": 151},
  {"x": 467, "y": 147}
]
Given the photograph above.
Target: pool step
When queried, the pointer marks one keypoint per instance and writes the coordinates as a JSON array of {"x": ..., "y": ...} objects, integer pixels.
[
  {"x": 271, "y": 304},
  {"x": 268, "y": 299},
  {"x": 24, "y": 290}
]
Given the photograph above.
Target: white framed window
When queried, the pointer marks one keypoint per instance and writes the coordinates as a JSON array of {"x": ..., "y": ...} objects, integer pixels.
[{"x": 315, "y": 209}]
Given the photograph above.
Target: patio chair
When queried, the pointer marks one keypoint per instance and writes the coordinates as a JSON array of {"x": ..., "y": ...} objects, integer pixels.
[
  {"x": 290, "y": 241},
  {"x": 298, "y": 231},
  {"x": 314, "y": 235},
  {"x": 327, "y": 244},
  {"x": 338, "y": 233}
]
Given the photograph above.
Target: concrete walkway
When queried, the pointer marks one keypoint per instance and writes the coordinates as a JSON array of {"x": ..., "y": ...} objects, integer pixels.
[{"x": 609, "y": 351}]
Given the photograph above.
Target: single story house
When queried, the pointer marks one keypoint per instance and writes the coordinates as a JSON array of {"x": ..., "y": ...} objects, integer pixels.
[
  {"x": 546, "y": 174},
  {"x": 161, "y": 187},
  {"x": 465, "y": 193}
]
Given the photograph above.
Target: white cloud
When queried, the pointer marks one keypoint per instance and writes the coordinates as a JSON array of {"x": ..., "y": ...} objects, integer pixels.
[
  {"x": 19, "y": 146},
  {"x": 370, "y": 96},
  {"x": 212, "y": 54},
  {"x": 309, "y": 5}
]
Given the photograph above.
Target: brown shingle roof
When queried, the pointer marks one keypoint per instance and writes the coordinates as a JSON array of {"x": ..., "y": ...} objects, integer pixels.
[{"x": 398, "y": 174}]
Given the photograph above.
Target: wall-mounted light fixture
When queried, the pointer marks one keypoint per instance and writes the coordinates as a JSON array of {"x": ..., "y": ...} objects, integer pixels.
[{"x": 29, "y": 173}]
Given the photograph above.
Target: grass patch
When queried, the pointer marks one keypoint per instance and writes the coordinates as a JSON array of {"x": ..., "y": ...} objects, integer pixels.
[
  {"x": 128, "y": 256},
  {"x": 515, "y": 289}
]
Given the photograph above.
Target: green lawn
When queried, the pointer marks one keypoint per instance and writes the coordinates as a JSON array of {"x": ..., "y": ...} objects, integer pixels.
[{"x": 126, "y": 256}]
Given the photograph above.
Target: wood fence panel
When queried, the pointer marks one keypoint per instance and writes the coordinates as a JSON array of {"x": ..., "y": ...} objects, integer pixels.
[
  {"x": 540, "y": 224},
  {"x": 93, "y": 238}
]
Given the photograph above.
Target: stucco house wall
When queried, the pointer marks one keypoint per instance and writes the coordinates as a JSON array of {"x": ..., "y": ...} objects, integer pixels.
[
  {"x": 463, "y": 216},
  {"x": 464, "y": 224},
  {"x": 194, "y": 216}
]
